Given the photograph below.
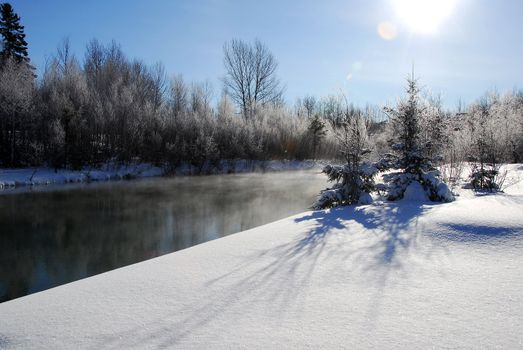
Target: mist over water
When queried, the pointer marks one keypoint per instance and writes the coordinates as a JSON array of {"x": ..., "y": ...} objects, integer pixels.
[{"x": 54, "y": 237}]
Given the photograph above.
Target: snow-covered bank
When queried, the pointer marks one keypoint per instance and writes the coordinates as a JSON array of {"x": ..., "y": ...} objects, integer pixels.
[
  {"x": 391, "y": 275},
  {"x": 11, "y": 178},
  {"x": 46, "y": 176}
]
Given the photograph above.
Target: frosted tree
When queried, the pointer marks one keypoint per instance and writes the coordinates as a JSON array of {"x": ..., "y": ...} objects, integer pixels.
[
  {"x": 318, "y": 131},
  {"x": 355, "y": 179},
  {"x": 309, "y": 104},
  {"x": 410, "y": 155},
  {"x": 486, "y": 150},
  {"x": 16, "y": 102},
  {"x": 250, "y": 78},
  {"x": 178, "y": 99}
]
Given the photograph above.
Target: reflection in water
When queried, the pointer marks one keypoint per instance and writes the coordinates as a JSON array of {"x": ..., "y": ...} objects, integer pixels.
[{"x": 50, "y": 238}]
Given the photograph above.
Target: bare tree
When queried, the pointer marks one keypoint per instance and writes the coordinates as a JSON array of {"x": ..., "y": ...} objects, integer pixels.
[
  {"x": 201, "y": 95},
  {"x": 309, "y": 103},
  {"x": 251, "y": 75},
  {"x": 179, "y": 95}
]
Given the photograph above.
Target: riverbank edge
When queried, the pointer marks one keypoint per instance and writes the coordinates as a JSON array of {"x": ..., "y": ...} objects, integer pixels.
[{"x": 28, "y": 177}]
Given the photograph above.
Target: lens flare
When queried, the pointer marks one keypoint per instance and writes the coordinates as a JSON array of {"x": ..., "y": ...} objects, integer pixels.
[{"x": 387, "y": 30}]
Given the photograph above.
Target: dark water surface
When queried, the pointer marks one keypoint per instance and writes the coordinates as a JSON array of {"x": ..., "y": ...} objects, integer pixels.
[{"x": 53, "y": 236}]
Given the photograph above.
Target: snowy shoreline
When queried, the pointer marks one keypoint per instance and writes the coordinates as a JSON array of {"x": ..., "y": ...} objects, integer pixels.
[
  {"x": 28, "y": 177},
  {"x": 397, "y": 275}
]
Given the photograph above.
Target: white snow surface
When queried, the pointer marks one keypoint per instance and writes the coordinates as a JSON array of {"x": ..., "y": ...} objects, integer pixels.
[
  {"x": 414, "y": 193},
  {"x": 404, "y": 275}
]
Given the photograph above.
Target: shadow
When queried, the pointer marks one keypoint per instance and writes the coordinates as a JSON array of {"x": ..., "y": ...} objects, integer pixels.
[
  {"x": 371, "y": 239},
  {"x": 3, "y": 342},
  {"x": 390, "y": 219},
  {"x": 283, "y": 273},
  {"x": 478, "y": 233},
  {"x": 383, "y": 235}
]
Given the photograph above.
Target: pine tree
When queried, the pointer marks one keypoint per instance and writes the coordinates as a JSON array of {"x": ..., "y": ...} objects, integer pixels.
[
  {"x": 13, "y": 37},
  {"x": 355, "y": 179},
  {"x": 410, "y": 153},
  {"x": 406, "y": 130}
]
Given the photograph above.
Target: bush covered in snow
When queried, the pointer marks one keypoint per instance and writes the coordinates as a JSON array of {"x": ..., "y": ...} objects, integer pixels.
[
  {"x": 435, "y": 189},
  {"x": 486, "y": 177},
  {"x": 353, "y": 186},
  {"x": 354, "y": 179}
]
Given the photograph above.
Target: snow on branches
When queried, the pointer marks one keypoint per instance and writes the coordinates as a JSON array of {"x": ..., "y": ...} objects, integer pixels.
[
  {"x": 413, "y": 148},
  {"x": 353, "y": 185},
  {"x": 415, "y": 132},
  {"x": 354, "y": 179}
]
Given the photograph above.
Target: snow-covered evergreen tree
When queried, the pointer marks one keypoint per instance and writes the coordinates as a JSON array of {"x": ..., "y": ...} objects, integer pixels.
[
  {"x": 355, "y": 179},
  {"x": 412, "y": 157}
]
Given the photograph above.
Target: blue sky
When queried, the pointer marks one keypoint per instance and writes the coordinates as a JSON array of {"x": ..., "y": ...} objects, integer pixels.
[{"x": 323, "y": 47}]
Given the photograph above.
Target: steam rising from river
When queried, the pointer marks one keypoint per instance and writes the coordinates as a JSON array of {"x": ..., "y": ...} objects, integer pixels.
[{"x": 54, "y": 237}]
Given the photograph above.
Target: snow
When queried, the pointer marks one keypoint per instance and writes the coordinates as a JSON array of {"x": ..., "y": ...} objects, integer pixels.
[
  {"x": 414, "y": 192},
  {"x": 365, "y": 198},
  {"x": 47, "y": 176},
  {"x": 444, "y": 192},
  {"x": 391, "y": 275}
]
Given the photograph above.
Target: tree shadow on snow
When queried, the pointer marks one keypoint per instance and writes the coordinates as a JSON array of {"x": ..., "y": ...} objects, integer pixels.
[
  {"x": 478, "y": 233},
  {"x": 3, "y": 342},
  {"x": 394, "y": 229},
  {"x": 282, "y": 273},
  {"x": 373, "y": 243},
  {"x": 389, "y": 221}
]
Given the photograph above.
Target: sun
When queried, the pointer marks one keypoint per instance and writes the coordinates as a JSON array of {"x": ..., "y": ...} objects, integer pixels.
[{"x": 424, "y": 16}]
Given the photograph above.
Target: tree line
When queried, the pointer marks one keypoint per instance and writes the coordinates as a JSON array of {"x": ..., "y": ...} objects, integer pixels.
[{"x": 106, "y": 107}]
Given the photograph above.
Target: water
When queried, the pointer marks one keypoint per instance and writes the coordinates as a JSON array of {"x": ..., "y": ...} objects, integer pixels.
[{"x": 53, "y": 236}]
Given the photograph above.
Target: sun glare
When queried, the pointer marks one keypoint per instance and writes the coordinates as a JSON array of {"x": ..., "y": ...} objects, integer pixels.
[{"x": 424, "y": 16}]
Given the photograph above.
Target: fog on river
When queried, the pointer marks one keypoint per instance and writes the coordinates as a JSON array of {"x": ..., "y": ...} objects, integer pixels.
[{"x": 51, "y": 236}]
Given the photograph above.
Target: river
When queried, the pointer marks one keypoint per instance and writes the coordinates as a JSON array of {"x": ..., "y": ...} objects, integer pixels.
[{"x": 54, "y": 235}]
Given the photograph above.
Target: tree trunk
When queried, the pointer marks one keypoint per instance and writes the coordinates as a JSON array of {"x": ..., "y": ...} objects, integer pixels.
[{"x": 13, "y": 137}]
